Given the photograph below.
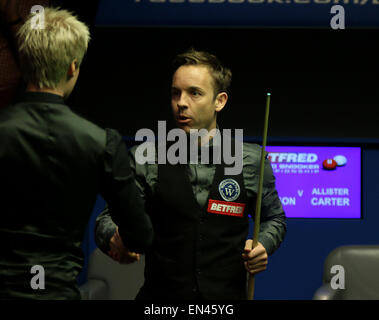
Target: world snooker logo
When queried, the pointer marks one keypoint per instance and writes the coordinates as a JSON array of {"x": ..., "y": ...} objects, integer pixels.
[{"x": 229, "y": 189}]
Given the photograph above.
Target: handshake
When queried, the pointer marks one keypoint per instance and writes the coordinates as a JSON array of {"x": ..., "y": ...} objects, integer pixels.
[{"x": 119, "y": 252}]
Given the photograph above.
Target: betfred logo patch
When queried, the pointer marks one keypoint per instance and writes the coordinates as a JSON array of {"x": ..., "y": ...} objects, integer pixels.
[{"x": 226, "y": 207}]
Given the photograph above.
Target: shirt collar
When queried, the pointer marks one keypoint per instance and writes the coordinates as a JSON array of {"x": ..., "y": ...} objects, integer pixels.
[
  {"x": 41, "y": 97},
  {"x": 212, "y": 142}
]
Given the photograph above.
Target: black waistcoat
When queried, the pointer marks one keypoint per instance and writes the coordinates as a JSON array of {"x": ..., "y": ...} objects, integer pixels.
[{"x": 196, "y": 251}]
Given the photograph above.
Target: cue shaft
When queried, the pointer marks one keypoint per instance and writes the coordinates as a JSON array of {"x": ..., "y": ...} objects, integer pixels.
[{"x": 251, "y": 281}]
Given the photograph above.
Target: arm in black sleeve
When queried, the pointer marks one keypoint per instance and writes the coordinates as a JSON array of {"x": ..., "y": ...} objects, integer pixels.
[{"x": 125, "y": 206}]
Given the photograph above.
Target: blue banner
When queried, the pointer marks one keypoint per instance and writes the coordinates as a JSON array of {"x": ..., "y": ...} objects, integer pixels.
[{"x": 237, "y": 13}]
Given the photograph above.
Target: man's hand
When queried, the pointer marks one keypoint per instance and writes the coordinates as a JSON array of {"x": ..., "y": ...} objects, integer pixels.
[
  {"x": 255, "y": 259},
  {"x": 119, "y": 252}
]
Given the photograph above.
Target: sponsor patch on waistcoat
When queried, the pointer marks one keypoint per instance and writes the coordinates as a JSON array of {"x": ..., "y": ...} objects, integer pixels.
[
  {"x": 229, "y": 189},
  {"x": 226, "y": 208}
]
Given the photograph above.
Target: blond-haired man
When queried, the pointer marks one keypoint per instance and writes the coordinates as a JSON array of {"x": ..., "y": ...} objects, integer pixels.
[{"x": 53, "y": 164}]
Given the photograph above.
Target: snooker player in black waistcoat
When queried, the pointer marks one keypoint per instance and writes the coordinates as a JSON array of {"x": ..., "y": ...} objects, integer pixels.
[
  {"x": 200, "y": 213},
  {"x": 53, "y": 164}
]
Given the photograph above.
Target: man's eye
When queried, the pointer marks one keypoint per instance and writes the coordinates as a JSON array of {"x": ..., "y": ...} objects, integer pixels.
[{"x": 196, "y": 93}]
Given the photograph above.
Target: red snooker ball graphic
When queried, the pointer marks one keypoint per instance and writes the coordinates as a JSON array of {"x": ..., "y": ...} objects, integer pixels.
[{"x": 329, "y": 164}]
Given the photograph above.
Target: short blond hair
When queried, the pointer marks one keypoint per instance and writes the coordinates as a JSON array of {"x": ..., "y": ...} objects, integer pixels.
[{"x": 46, "y": 54}]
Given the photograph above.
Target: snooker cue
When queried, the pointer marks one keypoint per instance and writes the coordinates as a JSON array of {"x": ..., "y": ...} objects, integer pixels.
[{"x": 251, "y": 281}]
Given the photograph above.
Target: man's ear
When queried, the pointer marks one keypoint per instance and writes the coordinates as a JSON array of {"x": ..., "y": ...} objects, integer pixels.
[
  {"x": 73, "y": 68},
  {"x": 221, "y": 100}
]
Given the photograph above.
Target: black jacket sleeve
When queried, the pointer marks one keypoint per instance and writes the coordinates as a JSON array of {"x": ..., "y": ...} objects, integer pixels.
[{"x": 125, "y": 206}]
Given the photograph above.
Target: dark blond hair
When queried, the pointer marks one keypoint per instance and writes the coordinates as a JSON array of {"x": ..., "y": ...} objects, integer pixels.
[
  {"x": 46, "y": 54},
  {"x": 221, "y": 75}
]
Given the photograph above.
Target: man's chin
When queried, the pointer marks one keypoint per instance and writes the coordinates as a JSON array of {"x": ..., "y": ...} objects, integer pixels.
[{"x": 184, "y": 127}]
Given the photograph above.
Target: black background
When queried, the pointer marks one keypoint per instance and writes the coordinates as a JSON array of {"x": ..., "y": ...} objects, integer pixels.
[{"x": 324, "y": 82}]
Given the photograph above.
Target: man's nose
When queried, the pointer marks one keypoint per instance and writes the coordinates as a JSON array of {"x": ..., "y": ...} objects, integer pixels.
[
  {"x": 182, "y": 102},
  {"x": 182, "y": 108}
]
